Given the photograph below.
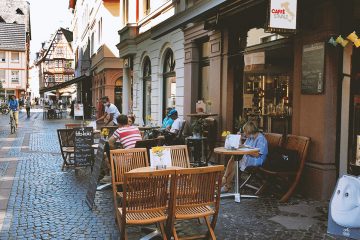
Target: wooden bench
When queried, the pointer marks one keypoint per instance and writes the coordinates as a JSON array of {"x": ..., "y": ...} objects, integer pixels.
[{"x": 291, "y": 178}]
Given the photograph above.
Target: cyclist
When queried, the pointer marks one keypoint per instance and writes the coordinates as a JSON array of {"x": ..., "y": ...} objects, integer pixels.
[{"x": 14, "y": 109}]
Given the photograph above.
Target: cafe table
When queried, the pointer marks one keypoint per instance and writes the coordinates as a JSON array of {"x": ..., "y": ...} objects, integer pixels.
[{"x": 236, "y": 153}]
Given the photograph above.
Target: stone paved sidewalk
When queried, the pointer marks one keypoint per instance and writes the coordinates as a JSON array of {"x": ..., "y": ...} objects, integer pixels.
[{"x": 47, "y": 203}]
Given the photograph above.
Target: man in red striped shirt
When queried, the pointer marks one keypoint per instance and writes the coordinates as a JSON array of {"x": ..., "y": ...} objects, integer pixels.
[{"x": 125, "y": 135}]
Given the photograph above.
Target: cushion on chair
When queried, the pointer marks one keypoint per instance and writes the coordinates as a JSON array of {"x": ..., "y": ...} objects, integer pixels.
[{"x": 281, "y": 159}]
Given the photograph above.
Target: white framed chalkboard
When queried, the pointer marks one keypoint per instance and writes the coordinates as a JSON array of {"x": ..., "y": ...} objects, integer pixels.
[
  {"x": 83, "y": 152},
  {"x": 312, "y": 65}
]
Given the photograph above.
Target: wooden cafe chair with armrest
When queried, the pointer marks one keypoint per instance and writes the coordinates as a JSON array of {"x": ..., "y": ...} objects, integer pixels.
[
  {"x": 66, "y": 141},
  {"x": 123, "y": 161},
  {"x": 179, "y": 156},
  {"x": 290, "y": 174},
  {"x": 145, "y": 199},
  {"x": 197, "y": 195}
]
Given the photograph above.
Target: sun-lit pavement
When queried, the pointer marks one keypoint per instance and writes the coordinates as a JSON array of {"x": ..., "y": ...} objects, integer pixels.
[{"x": 39, "y": 201}]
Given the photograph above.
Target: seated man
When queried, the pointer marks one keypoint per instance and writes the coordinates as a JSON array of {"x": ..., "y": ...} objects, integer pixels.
[
  {"x": 125, "y": 135},
  {"x": 254, "y": 139},
  {"x": 168, "y": 121},
  {"x": 170, "y": 134}
]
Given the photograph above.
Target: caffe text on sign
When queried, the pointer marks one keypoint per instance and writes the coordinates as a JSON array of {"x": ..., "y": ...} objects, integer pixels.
[{"x": 283, "y": 14}]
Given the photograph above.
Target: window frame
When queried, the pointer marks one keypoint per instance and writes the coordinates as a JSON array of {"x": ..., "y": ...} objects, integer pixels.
[
  {"x": 16, "y": 60},
  {"x": 3, "y": 60},
  {"x": 146, "y": 81}
]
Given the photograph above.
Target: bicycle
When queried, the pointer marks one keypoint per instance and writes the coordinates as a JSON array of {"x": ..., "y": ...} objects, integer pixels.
[{"x": 12, "y": 122}]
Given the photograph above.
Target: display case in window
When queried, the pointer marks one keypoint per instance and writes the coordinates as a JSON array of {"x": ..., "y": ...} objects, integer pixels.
[{"x": 266, "y": 100}]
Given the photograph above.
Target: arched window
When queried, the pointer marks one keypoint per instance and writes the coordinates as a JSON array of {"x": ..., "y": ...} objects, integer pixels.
[
  {"x": 169, "y": 93},
  {"x": 146, "y": 89}
]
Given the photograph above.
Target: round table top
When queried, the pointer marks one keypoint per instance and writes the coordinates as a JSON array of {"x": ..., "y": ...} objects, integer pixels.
[
  {"x": 240, "y": 151},
  {"x": 152, "y": 169},
  {"x": 201, "y": 115}
]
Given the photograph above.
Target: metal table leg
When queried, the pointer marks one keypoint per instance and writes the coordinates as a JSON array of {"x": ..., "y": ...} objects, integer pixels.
[{"x": 236, "y": 193}]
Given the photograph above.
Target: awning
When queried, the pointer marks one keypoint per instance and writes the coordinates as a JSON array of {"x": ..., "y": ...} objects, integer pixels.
[
  {"x": 185, "y": 17},
  {"x": 65, "y": 84},
  {"x": 202, "y": 11}
]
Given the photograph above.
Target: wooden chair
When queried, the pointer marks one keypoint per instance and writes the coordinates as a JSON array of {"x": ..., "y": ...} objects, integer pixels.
[
  {"x": 179, "y": 156},
  {"x": 299, "y": 144},
  {"x": 122, "y": 161},
  {"x": 145, "y": 199},
  {"x": 273, "y": 139},
  {"x": 148, "y": 144},
  {"x": 66, "y": 141},
  {"x": 197, "y": 195}
]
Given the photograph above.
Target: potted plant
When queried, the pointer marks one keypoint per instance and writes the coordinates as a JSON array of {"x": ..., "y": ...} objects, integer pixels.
[{"x": 198, "y": 127}]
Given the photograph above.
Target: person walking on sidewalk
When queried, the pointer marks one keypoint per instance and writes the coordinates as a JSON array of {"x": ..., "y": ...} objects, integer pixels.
[{"x": 28, "y": 106}]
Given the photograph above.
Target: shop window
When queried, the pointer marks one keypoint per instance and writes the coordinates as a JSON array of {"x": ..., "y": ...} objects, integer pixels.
[
  {"x": 267, "y": 85},
  {"x": 204, "y": 71},
  {"x": 15, "y": 76},
  {"x": 15, "y": 57},
  {"x": 169, "y": 93},
  {"x": 2, "y": 56},
  {"x": 146, "y": 88}
]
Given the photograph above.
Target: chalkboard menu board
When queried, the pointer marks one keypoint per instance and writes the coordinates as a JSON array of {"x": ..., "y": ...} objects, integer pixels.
[
  {"x": 312, "y": 81},
  {"x": 90, "y": 195},
  {"x": 83, "y": 152}
]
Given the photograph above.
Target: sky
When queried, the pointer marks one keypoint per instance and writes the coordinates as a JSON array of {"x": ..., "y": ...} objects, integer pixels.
[{"x": 46, "y": 17}]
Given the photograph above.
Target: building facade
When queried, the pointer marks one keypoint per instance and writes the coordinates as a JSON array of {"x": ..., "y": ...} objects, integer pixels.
[
  {"x": 153, "y": 74},
  {"x": 55, "y": 60},
  {"x": 15, "y": 36},
  {"x": 292, "y": 83},
  {"x": 95, "y": 49}
]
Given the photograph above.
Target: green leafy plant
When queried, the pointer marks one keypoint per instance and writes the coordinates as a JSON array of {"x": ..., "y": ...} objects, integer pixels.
[
  {"x": 198, "y": 126},
  {"x": 239, "y": 123}
]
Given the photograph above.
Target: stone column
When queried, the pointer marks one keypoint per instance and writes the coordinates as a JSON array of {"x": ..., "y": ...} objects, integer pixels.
[{"x": 126, "y": 89}]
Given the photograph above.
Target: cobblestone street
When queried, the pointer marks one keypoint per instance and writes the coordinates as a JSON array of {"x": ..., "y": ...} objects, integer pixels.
[{"x": 47, "y": 203}]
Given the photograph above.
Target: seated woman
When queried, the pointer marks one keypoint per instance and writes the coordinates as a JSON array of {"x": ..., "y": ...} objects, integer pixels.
[{"x": 253, "y": 139}]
